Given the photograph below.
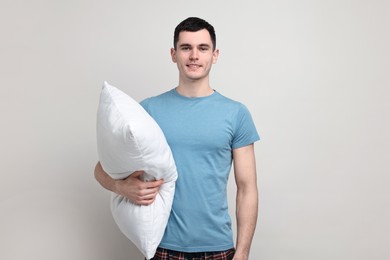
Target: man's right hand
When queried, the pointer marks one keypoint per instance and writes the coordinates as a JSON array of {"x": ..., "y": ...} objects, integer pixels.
[
  {"x": 137, "y": 191},
  {"x": 133, "y": 188}
]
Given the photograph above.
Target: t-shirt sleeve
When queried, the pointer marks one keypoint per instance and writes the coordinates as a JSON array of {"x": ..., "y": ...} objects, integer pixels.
[
  {"x": 145, "y": 104},
  {"x": 245, "y": 132}
]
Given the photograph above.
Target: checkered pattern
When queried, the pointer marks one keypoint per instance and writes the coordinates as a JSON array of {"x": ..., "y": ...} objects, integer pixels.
[{"x": 164, "y": 254}]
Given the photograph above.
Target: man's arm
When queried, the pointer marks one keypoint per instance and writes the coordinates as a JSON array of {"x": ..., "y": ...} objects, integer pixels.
[
  {"x": 136, "y": 190},
  {"x": 246, "y": 200}
]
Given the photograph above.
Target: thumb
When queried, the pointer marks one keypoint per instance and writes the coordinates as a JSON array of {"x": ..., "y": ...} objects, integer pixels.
[{"x": 137, "y": 174}]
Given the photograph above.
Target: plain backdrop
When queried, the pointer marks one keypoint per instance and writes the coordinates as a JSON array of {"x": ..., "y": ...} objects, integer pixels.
[{"x": 314, "y": 74}]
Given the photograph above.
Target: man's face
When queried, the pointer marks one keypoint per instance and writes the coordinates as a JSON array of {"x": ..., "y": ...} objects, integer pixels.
[{"x": 194, "y": 55}]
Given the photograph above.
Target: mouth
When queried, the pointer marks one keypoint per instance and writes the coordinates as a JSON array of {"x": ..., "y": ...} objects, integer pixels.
[{"x": 193, "y": 66}]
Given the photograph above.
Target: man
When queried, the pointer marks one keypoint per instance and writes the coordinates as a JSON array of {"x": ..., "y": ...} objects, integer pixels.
[{"x": 206, "y": 132}]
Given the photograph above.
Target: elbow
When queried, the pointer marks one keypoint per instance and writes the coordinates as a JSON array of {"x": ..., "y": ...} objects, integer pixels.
[{"x": 97, "y": 170}]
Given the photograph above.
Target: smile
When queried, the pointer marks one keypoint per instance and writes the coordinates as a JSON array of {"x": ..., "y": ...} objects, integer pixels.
[{"x": 193, "y": 66}]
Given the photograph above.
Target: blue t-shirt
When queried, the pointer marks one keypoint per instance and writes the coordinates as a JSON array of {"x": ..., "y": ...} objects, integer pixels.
[{"x": 201, "y": 133}]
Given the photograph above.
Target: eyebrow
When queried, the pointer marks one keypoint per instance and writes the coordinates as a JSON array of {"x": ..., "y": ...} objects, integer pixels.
[
  {"x": 205, "y": 45},
  {"x": 189, "y": 45},
  {"x": 185, "y": 45}
]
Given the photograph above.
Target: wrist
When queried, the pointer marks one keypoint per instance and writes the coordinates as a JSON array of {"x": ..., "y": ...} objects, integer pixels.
[
  {"x": 117, "y": 187},
  {"x": 241, "y": 254}
]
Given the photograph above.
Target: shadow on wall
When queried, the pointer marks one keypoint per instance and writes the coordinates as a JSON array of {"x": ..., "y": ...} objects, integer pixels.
[{"x": 55, "y": 225}]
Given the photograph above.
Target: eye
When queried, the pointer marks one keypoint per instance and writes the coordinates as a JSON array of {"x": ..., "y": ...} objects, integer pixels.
[{"x": 204, "y": 48}]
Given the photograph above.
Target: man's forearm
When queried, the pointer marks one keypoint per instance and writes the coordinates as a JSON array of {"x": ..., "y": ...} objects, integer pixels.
[
  {"x": 246, "y": 213},
  {"x": 104, "y": 179},
  {"x": 136, "y": 190}
]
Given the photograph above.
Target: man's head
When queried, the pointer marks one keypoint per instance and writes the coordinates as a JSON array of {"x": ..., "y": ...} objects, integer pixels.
[{"x": 194, "y": 24}]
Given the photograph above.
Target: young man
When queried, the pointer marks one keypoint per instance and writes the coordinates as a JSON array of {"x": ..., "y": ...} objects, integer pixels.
[{"x": 206, "y": 132}]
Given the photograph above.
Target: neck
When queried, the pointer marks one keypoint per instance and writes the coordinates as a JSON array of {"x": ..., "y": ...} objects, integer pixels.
[{"x": 196, "y": 88}]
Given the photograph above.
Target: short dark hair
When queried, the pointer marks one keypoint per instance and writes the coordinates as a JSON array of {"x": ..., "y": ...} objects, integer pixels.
[{"x": 194, "y": 24}]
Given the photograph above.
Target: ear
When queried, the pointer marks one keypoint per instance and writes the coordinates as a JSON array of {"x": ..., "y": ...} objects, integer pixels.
[
  {"x": 215, "y": 55},
  {"x": 173, "y": 55}
]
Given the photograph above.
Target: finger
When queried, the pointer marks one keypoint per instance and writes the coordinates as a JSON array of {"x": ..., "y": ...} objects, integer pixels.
[
  {"x": 146, "y": 202},
  {"x": 154, "y": 184},
  {"x": 148, "y": 197},
  {"x": 149, "y": 202},
  {"x": 149, "y": 192}
]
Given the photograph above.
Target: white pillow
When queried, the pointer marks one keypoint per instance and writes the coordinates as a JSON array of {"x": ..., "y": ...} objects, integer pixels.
[{"x": 128, "y": 139}]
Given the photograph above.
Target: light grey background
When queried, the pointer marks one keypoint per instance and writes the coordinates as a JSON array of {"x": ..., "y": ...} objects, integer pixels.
[{"x": 315, "y": 75}]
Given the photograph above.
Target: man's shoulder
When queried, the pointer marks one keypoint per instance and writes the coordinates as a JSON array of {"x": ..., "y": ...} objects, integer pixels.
[
  {"x": 232, "y": 103},
  {"x": 156, "y": 99}
]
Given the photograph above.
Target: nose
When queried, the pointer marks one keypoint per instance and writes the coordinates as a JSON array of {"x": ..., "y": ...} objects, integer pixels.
[{"x": 194, "y": 54}]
